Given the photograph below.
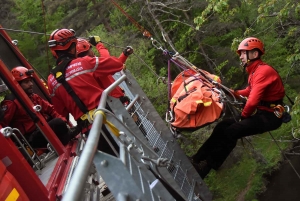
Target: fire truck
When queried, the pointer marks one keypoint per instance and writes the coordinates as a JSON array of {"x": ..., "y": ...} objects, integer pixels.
[{"x": 150, "y": 165}]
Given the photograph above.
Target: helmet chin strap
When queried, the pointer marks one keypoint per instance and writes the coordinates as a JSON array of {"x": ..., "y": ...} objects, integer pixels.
[{"x": 248, "y": 60}]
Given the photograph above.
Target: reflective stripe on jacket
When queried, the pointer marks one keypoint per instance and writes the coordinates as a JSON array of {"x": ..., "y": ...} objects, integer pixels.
[{"x": 80, "y": 74}]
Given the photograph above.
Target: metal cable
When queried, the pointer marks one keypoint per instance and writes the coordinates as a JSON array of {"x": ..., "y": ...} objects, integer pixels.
[
  {"x": 285, "y": 155},
  {"x": 16, "y": 30}
]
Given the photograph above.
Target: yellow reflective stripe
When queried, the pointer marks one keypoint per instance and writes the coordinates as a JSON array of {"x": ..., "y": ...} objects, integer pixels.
[
  {"x": 216, "y": 78},
  {"x": 13, "y": 195},
  {"x": 111, "y": 126},
  {"x": 205, "y": 104},
  {"x": 199, "y": 101},
  {"x": 173, "y": 100}
]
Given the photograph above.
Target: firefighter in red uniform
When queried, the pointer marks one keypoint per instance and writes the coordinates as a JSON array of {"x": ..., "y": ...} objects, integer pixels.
[
  {"x": 265, "y": 93},
  {"x": 84, "y": 48},
  {"x": 72, "y": 83},
  {"x": 16, "y": 117}
]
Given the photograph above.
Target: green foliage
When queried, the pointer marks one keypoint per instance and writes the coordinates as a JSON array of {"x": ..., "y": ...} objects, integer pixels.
[
  {"x": 207, "y": 33},
  {"x": 214, "y": 6}
]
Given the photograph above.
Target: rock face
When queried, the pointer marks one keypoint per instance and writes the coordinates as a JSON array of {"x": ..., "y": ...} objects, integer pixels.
[{"x": 284, "y": 183}]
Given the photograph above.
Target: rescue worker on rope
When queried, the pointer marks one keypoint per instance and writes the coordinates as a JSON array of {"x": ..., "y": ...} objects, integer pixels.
[
  {"x": 84, "y": 48},
  {"x": 15, "y": 115},
  {"x": 265, "y": 93},
  {"x": 72, "y": 82}
]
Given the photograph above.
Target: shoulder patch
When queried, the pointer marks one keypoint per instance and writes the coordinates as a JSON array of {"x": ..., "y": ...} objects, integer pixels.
[{"x": 4, "y": 108}]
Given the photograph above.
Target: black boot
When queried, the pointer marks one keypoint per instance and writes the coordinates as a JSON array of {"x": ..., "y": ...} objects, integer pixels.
[{"x": 203, "y": 168}]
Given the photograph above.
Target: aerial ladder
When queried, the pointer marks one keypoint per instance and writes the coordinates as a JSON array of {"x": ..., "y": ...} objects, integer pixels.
[{"x": 150, "y": 164}]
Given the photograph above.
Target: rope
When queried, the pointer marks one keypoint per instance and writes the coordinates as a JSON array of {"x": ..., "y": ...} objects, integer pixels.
[
  {"x": 135, "y": 23},
  {"x": 46, "y": 43},
  {"x": 285, "y": 155},
  {"x": 139, "y": 58},
  {"x": 111, "y": 126},
  {"x": 31, "y": 32},
  {"x": 160, "y": 162}
]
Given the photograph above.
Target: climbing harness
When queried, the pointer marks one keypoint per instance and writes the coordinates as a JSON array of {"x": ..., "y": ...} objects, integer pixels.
[{"x": 59, "y": 74}]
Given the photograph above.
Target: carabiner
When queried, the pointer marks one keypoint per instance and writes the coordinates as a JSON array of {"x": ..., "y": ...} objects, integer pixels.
[{"x": 155, "y": 43}]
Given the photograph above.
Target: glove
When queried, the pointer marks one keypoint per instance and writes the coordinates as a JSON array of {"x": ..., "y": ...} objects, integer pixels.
[
  {"x": 94, "y": 40},
  {"x": 124, "y": 99},
  {"x": 235, "y": 93},
  {"x": 128, "y": 51}
]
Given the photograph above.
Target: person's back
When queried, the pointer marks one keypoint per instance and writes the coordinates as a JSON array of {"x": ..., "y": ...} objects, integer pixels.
[
  {"x": 72, "y": 82},
  {"x": 79, "y": 74}
]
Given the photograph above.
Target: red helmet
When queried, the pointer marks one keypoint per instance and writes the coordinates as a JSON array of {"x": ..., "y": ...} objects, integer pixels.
[
  {"x": 250, "y": 44},
  {"x": 21, "y": 73},
  {"x": 61, "y": 39},
  {"x": 82, "y": 45}
]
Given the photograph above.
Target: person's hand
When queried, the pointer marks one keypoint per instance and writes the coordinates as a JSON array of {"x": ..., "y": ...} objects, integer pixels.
[
  {"x": 128, "y": 51},
  {"x": 94, "y": 40},
  {"x": 235, "y": 93}
]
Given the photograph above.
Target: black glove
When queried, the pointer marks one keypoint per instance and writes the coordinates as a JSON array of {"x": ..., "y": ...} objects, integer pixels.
[
  {"x": 128, "y": 51},
  {"x": 94, "y": 40},
  {"x": 124, "y": 99}
]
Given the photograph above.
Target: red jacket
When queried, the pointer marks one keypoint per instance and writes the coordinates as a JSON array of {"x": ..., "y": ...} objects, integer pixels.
[
  {"x": 105, "y": 81},
  {"x": 264, "y": 84},
  {"x": 16, "y": 117},
  {"x": 80, "y": 75}
]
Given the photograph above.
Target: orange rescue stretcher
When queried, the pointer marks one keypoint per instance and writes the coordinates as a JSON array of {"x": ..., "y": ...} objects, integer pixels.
[{"x": 195, "y": 102}]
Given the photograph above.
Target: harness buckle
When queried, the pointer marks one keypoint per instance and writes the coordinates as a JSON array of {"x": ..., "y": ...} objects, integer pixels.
[
  {"x": 59, "y": 77},
  {"x": 278, "y": 110},
  {"x": 88, "y": 116}
]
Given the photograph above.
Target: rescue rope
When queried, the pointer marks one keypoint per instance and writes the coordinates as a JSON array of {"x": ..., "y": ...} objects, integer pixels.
[
  {"x": 138, "y": 57},
  {"x": 111, "y": 126},
  {"x": 46, "y": 43},
  {"x": 282, "y": 152},
  {"x": 280, "y": 140},
  {"x": 23, "y": 31},
  {"x": 135, "y": 23}
]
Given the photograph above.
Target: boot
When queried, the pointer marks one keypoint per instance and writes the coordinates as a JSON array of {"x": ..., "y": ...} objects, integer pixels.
[{"x": 203, "y": 168}]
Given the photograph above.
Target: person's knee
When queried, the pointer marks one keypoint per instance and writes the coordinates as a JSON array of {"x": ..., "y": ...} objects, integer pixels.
[{"x": 60, "y": 128}]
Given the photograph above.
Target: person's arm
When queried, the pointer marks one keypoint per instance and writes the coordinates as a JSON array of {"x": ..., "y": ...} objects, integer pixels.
[
  {"x": 103, "y": 51},
  {"x": 259, "y": 84},
  {"x": 49, "y": 109},
  {"x": 8, "y": 108},
  {"x": 103, "y": 66},
  {"x": 244, "y": 92},
  {"x": 58, "y": 105}
]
